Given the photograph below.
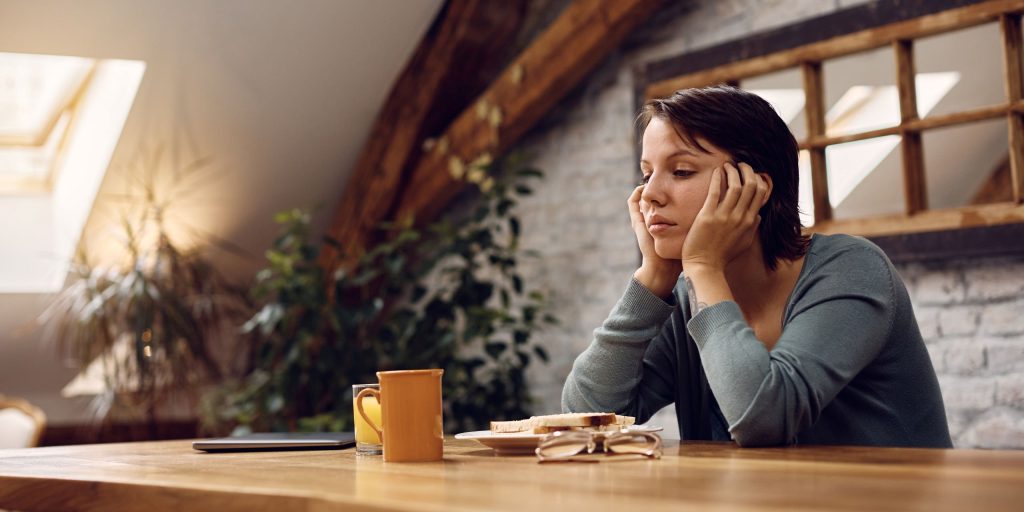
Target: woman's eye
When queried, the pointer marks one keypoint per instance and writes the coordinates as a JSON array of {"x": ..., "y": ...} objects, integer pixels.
[{"x": 682, "y": 173}]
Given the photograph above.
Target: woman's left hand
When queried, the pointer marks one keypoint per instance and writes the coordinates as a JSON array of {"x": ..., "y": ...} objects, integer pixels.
[{"x": 727, "y": 224}]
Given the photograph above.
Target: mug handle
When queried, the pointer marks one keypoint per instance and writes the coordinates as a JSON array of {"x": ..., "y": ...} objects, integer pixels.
[{"x": 359, "y": 406}]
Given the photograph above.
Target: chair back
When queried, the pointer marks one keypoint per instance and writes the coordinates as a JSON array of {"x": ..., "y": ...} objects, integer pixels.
[{"x": 21, "y": 423}]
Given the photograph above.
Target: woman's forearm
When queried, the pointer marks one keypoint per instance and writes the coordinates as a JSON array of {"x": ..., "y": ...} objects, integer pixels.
[
  {"x": 706, "y": 286},
  {"x": 605, "y": 377}
]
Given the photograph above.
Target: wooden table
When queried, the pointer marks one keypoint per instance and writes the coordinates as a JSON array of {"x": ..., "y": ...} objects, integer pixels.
[{"x": 169, "y": 475}]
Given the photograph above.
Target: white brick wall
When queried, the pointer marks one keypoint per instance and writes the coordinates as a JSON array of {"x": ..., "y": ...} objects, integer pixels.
[{"x": 970, "y": 315}]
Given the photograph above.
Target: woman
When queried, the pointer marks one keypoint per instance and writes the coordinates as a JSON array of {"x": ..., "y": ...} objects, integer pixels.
[{"x": 768, "y": 337}]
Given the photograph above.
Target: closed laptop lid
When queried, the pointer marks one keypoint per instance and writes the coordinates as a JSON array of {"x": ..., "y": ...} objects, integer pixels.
[{"x": 278, "y": 441}]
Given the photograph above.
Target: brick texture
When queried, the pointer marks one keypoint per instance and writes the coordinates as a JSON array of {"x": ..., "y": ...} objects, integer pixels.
[
  {"x": 971, "y": 315},
  {"x": 970, "y": 312}
]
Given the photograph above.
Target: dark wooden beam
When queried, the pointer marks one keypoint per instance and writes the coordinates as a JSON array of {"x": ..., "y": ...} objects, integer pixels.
[
  {"x": 449, "y": 68},
  {"x": 817, "y": 49},
  {"x": 975, "y": 242},
  {"x": 840, "y": 23},
  {"x": 554, "y": 63}
]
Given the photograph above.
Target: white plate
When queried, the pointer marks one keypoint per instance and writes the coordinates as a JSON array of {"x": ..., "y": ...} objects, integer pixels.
[{"x": 521, "y": 444}]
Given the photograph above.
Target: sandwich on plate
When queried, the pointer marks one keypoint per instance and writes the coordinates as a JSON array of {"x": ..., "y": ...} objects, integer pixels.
[{"x": 593, "y": 421}]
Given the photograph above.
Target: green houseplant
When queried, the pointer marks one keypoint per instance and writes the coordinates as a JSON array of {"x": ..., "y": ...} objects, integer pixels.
[{"x": 445, "y": 296}]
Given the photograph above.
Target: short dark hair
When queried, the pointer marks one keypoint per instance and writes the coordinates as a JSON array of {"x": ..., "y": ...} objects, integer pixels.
[{"x": 747, "y": 127}]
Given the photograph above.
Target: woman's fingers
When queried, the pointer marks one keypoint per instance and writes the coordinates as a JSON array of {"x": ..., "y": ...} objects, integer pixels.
[
  {"x": 732, "y": 192},
  {"x": 762, "y": 192},
  {"x": 748, "y": 193},
  {"x": 714, "y": 191},
  {"x": 634, "y": 201},
  {"x": 636, "y": 210}
]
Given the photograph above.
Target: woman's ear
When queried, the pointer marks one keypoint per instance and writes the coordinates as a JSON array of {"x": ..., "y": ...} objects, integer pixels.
[{"x": 768, "y": 182}]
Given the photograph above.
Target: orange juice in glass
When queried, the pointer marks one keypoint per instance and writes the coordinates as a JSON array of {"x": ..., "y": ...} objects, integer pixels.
[{"x": 367, "y": 440}]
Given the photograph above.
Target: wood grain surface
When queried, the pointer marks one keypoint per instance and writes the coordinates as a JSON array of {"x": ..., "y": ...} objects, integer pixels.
[
  {"x": 568, "y": 50},
  {"x": 169, "y": 475}
]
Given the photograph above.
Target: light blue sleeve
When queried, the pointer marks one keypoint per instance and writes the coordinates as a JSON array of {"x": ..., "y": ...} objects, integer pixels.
[
  {"x": 628, "y": 368},
  {"x": 836, "y": 328}
]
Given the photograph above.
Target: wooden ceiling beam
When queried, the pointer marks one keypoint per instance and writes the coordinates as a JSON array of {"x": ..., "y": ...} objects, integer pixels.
[
  {"x": 584, "y": 34},
  {"x": 447, "y": 70}
]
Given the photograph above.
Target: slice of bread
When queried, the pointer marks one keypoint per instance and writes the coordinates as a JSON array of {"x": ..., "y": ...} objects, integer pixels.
[
  {"x": 508, "y": 427},
  {"x": 575, "y": 419},
  {"x": 599, "y": 421},
  {"x": 599, "y": 428}
]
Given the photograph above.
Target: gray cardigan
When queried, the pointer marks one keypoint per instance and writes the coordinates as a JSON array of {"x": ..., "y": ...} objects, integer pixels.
[{"x": 849, "y": 368}]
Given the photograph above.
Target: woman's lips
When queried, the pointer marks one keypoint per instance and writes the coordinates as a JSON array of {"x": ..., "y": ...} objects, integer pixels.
[{"x": 660, "y": 228}]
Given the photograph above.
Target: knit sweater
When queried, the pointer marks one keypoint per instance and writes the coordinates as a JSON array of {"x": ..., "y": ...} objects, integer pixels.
[{"x": 850, "y": 366}]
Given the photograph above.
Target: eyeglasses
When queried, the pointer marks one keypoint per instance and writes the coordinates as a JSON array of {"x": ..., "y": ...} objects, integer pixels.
[{"x": 564, "y": 444}]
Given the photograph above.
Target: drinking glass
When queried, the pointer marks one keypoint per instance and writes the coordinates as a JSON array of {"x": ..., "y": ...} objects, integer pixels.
[{"x": 367, "y": 440}]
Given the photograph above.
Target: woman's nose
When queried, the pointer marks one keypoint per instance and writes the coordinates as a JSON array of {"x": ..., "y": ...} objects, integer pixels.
[{"x": 653, "y": 192}]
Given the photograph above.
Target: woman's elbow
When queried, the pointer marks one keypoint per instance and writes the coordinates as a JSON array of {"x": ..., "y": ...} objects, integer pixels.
[{"x": 754, "y": 436}]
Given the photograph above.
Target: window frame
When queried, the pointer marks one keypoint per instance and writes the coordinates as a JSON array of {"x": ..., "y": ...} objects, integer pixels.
[
  {"x": 919, "y": 233},
  {"x": 68, "y": 105}
]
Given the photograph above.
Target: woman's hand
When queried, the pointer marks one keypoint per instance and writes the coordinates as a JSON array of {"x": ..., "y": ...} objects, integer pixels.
[
  {"x": 727, "y": 224},
  {"x": 657, "y": 274}
]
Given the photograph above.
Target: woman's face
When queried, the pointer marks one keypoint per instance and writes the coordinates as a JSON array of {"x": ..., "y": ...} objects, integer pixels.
[{"x": 677, "y": 177}]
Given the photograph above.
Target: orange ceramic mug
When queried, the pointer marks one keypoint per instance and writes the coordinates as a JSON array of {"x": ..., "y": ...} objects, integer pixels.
[{"x": 410, "y": 402}]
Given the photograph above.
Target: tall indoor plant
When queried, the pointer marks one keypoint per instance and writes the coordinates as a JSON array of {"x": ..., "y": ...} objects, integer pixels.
[
  {"x": 152, "y": 326},
  {"x": 446, "y": 296}
]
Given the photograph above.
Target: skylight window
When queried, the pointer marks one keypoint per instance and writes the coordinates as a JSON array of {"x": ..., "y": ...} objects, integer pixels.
[
  {"x": 38, "y": 94},
  {"x": 35, "y": 89},
  {"x": 25, "y": 166},
  {"x": 60, "y": 120}
]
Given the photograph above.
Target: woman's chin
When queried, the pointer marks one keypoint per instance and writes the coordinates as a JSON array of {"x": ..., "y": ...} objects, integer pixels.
[{"x": 667, "y": 250}]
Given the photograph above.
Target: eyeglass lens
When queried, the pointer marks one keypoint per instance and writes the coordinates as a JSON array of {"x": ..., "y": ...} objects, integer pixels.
[
  {"x": 631, "y": 443},
  {"x": 565, "y": 447}
]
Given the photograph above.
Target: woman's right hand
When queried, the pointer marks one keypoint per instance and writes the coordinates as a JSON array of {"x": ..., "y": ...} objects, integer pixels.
[{"x": 657, "y": 274}]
